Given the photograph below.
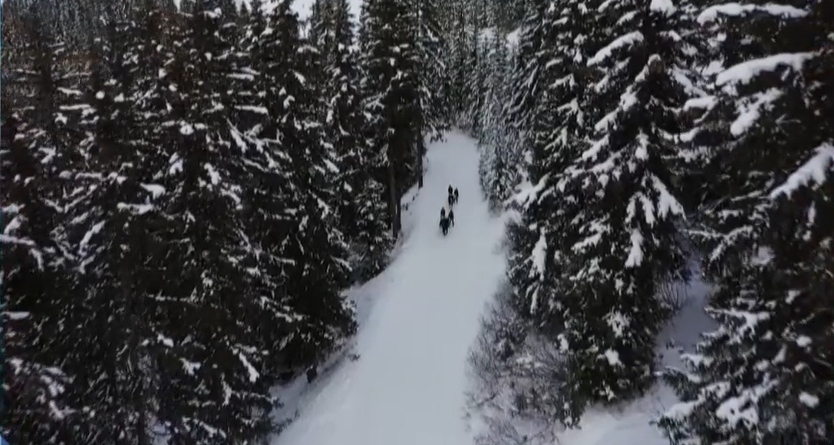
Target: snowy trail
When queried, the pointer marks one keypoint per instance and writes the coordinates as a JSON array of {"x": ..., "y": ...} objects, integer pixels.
[{"x": 408, "y": 386}]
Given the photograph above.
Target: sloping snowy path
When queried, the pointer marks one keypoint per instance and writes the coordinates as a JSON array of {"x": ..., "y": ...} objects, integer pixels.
[{"x": 407, "y": 388}]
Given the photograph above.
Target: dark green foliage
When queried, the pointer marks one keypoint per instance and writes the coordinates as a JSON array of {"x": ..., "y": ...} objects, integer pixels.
[
  {"x": 390, "y": 84},
  {"x": 171, "y": 196},
  {"x": 764, "y": 376}
]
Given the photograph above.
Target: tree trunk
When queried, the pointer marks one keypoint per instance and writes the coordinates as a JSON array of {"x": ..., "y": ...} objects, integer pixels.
[
  {"x": 421, "y": 151},
  {"x": 132, "y": 300},
  {"x": 393, "y": 204}
]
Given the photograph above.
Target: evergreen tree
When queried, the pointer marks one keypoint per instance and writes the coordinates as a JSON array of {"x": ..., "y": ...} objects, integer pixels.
[
  {"x": 458, "y": 51},
  {"x": 524, "y": 80},
  {"x": 496, "y": 166},
  {"x": 477, "y": 61},
  {"x": 432, "y": 78},
  {"x": 317, "y": 52},
  {"x": 764, "y": 376},
  {"x": 319, "y": 270},
  {"x": 111, "y": 215},
  {"x": 269, "y": 206},
  {"x": 214, "y": 388},
  {"x": 391, "y": 98},
  {"x": 360, "y": 194},
  {"x": 627, "y": 230},
  {"x": 39, "y": 280}
]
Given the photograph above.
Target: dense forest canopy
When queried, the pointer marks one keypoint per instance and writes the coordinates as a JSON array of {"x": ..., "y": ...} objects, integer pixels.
[{"x": 188, "y": 190}]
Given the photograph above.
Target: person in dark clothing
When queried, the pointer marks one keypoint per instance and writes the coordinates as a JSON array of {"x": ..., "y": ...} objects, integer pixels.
[
  {"x": 456, "y": 195},
  {"x": 451, "y": 190},
  {"x": 444, "y": 225},
  {"x": 451, "y": 201},
  {"x": 442, "y": 212},
  {"x": 451, "y": 217}
]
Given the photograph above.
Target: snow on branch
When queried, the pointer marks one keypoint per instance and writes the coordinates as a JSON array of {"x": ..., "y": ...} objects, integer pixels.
[
  {"x": 667, "y": 204},
  {"x": 635, "y": 254},
  {"x": 700, "y": 103},
  {"x": 737, "y": 9},
  {"x": 816, "y": 169},
  {"x": 529, "y": 193},
  {"x": 744, "y": 72},
  {"x": 664, "y": 6},
  {"x": 620, "y": 42},
  {"x": 749, "y": 113}
]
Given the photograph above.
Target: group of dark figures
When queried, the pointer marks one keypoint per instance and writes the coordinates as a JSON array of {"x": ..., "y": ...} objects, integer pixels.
[{"x": 448, "y": 218}]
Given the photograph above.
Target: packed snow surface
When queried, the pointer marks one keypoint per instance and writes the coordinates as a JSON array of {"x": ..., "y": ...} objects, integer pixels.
[{"x": 408, "y": 385}]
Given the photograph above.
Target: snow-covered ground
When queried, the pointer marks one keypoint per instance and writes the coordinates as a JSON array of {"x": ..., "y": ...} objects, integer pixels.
[
  {"x": 418, "y": 320},
  {"x": 296, "y": 394},
  {"x": 408, "y": 385}
]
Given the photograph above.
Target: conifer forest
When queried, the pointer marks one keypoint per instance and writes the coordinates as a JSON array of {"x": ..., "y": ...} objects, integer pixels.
[{"x": 190, "y": 188}]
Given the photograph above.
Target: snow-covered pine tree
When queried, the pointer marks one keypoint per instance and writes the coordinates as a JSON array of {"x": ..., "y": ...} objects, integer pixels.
[
  {"x": 524, "y": 235},
  {"x": 477, "y": 65},
  {"x": 38, "y": 276},
  {"x": 391, "y": 99},
  {"x": 216, "y": 391},
  {"x": 318, "y": 269},
  {"x": 33, "y": 272},
  {"x": 495, "y": 168},
  {"x": 559, "y": 137},
  {"x": 111, "y": 217},
  {"x": 524, "y": 81},
  {"x": 433, "y": 83},
  {"x": 314, "y": 53},
  {"x": 269, "y": 209},
  {"x": 765, "y": 376},
  {"x": 317, "y": 52},
  {"x": 535, "y": 271},
  {"x": 508, "y": 13},
  {"x": 627, "y": 230},
  {"x": 360, "y": 194},
  {"x": 456, "y": 25},
  {"x": 163, "y": 301}
]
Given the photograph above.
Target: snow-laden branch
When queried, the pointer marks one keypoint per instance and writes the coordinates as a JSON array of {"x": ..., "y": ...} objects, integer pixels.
[
  {"x": 744, "y": 72},
  {"x": 814, "y": 170},
  {"x": 712, "y": 13}
]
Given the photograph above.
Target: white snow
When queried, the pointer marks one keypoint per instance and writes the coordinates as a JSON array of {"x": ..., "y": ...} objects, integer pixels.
[
  {"x": 803, "y": 341},
  {"x": 705, "y": 102},
  {"x": 744, "y": 72},
  {"x": 620, "y": 42},
  {"x": 186, "y": 129},
  {"x": 11, "y": 315},
  {"x": 613, "y": 358},
  {"x": 815, "y": 170},
  {"x": 155, "y": 190},
  {"x": 736, "y": 9},
  {"x": 512, "y": 37},
  {"x": 214, "y": 175},
  {"x": 751, "y": 109},
  {"x": 809, "y": 400},
  {"x": 408, "y": 385},
  {"x": 664, "y": 6},
  {"x": 635, "y": 255}
]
